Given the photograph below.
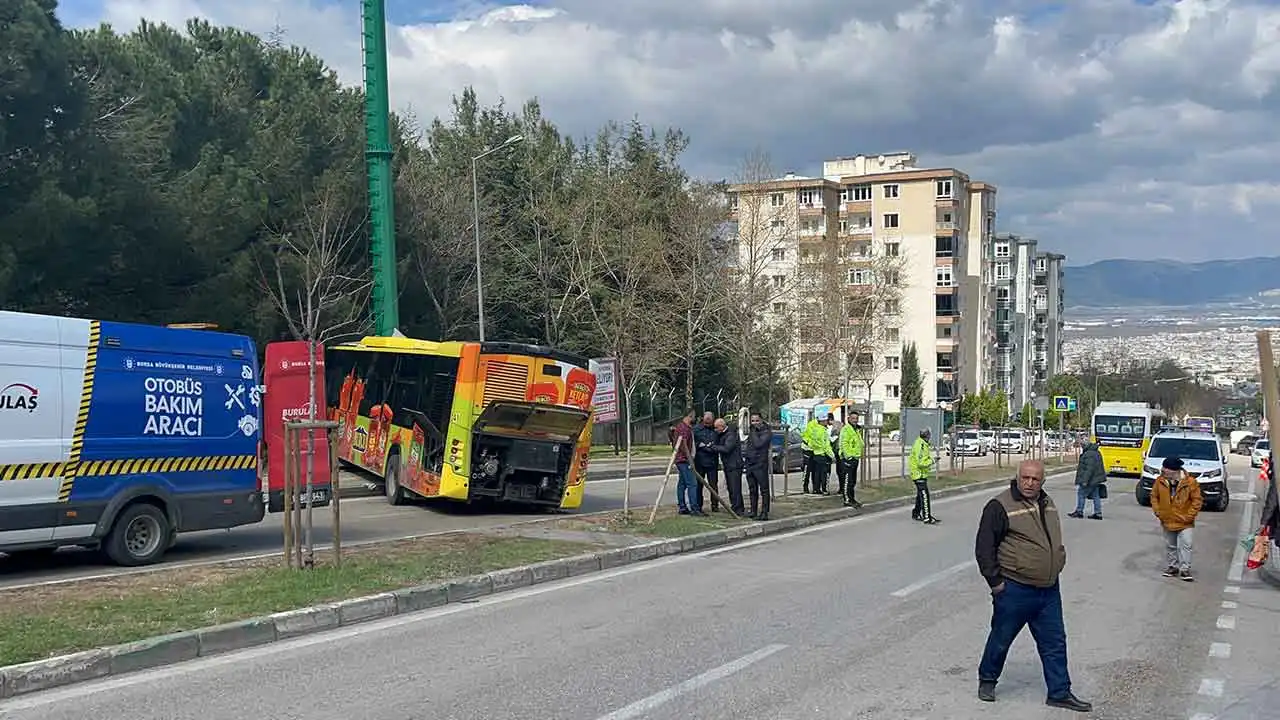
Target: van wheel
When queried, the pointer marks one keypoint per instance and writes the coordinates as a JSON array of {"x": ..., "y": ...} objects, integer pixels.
[
  {"x": 391, "y": 480},
  {"x": 140, "y": 536}
]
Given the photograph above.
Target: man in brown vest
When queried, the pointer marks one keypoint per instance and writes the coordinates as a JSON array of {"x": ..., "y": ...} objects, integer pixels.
[{"x": 1020, "y": 554}]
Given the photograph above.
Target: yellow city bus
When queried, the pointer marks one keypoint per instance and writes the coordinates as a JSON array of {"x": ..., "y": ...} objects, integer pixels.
[
  {"x": 1123, "y": 432},
  {"x": 463, "y": 420}
]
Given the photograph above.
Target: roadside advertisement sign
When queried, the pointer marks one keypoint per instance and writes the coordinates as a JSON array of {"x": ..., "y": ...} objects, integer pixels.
[{"x": 604, "y": 402}]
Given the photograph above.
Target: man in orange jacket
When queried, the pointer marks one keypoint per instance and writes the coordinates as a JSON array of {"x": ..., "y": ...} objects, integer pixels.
[{"x": 1176, "y": 501}]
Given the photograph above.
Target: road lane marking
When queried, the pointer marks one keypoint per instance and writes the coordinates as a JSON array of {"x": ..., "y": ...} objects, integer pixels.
[
  {"x": 1226, "y": 622},
  {"x": 1211, "y": 688},
  {"x": 1220, "y": 650},
  {"x": 1230, "y": 605},
  {"x": 1232, "y": 589},
  {"x": 1202, "y": 716},
  {"x": 640, "y": 707},
  {"x": 931, "y": 579}
]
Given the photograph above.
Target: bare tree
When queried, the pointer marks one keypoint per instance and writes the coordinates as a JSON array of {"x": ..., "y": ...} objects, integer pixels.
[
  {"x": 317, "y": 279},
  {"x": 699, "y": 265},
  {"x": 762, "y": 271},
  {"x": 438, "y": 230},
  {"x": 872, "y": 312},
  {"x": 620, "y": 264}
]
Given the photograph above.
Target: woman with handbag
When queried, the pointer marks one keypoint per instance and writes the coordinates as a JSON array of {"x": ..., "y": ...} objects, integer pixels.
[{"x": 1091, "y": 481}]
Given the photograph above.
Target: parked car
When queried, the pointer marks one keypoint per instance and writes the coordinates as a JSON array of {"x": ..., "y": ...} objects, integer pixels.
[
  {"x": 1261, "y": 450},
  {"x": 969, "y": 443},
  {"x": 793, "y": 454}
]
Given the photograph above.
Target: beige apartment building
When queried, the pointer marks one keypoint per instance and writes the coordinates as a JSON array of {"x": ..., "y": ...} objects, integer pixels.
[{"x": 872, "y": 256}]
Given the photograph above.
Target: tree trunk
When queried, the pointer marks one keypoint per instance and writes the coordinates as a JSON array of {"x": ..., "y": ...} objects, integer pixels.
[
  {"x": 688, "y": 376},
  {"x": 624, "y": 383},
  {"x": 310, "y": 447}
]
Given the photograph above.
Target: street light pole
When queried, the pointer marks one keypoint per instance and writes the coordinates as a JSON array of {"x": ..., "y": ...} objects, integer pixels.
[{"x": 475, "y": 223}]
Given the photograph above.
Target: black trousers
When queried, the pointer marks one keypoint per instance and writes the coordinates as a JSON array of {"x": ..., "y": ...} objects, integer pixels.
[
  {"x": 848, "y": 478},
  {"x": 758, "y": 485},
  {"x": 710, "y": 473},
  {"x": 806, "y": 468},
  {"x": 733, "y": 483},
  {"x": 821, "y": 472},
  {"x": 924, "y": 504}
]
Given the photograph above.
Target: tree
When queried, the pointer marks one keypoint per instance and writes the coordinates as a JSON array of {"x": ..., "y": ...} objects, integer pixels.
[
  {"x": 912, "y": 382},
  {"x": 872, "y": 316},
  {"x": 620, "y": 264},
  {"x": 758, "y": 319}
]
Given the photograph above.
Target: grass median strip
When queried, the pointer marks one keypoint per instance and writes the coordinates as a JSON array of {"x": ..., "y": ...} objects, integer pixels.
[
  {"x": 669, "y": 524},
  {"x": 47, "y": 621}
]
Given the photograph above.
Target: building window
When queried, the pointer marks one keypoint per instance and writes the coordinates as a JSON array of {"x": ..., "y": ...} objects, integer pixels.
[
  {"x": 779, "y": 307},
  {"x": 892, "y": 249},
  {"x": 891, "y": 307},
  {"x": 859, "y": 276},
  {"x": 1002, "y": 249},
  {"x": 1041, "y": 266},
  {"x": 891, "y": 220},
  {"x": 779, "y": 281},
  {"x": 844, "y": 227},
  {"x": 855, "y": 193},
  {"x": 807, "y": 197},
  {"x": 778, "y": 254},
  {"x": 776, "y": 224},
  {"x": 892, "y": 278},
  {"x": 1002, "y": 271},
  {"x": 891, "y": 335},
  {"x": 892, "y": 362},
  {"x": 733, "y": 202},
  {"x": 891, "y": 191},
  {"x": 944, "y": 188},
  {"x": 1002, "y": 294},
  {"x": 942, "y": 274},
  {"x": 892, "y": 392}
]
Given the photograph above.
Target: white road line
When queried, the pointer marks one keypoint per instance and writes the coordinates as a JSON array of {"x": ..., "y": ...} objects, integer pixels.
[
  {"x": 658, "y": 699},
  {"x": 1211, "y": 688},
  {"x": 931, "y": 579},
  {"x": 1235, "y": 572},
  {"x": 1226, "y": 622},
  {"x": 1220, "y": 650},
  {"x": 1231, "y": 589},
  {"x": 1202, "y": 716},
  {"x": 1230, "y": 604}
]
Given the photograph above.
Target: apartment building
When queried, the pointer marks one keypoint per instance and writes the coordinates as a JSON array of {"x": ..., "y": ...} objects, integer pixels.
[
  {"x": 1028, "y": 322},
  {"x": 1048, "y": 301},
  {"x": 870, "y": 227}
]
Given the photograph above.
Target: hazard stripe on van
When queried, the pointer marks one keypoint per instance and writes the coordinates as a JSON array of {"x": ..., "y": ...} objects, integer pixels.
[{"x": 103, "y": 468}]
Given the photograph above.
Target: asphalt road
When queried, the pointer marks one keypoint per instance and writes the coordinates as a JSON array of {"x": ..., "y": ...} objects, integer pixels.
[
  {"x": 874, "y": 617},
  {"x": 371, "y": 519}
]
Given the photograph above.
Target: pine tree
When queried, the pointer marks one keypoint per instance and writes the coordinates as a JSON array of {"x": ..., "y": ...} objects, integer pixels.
[{"x": 912, "y": 385}]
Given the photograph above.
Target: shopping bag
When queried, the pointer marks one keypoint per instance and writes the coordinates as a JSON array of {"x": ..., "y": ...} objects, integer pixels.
[
  {"x": 1261, "y": 546},
  {"x": 1102, "y": 492}
]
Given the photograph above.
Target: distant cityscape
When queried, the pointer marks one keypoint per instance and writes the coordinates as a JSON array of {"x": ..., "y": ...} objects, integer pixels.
[{"x": 1215, "y": 343}]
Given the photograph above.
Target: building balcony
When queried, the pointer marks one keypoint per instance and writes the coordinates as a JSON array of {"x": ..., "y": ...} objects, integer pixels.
[
  {"x": 857, "y": 230},
  {"x": 945, "y": 225},
  {"x": 855, "y": 206},
  {"x": 816, "y": 208}
]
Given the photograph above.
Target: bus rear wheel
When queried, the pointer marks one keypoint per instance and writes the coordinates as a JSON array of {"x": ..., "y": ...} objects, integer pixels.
[{"x": 391, "y": 479}]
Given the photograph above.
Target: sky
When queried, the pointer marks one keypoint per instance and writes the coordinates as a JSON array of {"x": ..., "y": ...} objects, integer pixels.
[{"x": 1112, "y": 128}]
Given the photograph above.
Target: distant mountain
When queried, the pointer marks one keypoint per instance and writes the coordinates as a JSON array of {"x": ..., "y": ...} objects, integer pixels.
[{"x": 1118, "y": 283}]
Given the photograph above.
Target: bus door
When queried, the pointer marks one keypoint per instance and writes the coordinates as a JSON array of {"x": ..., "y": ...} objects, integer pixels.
[{"x": 286, "y": 398}]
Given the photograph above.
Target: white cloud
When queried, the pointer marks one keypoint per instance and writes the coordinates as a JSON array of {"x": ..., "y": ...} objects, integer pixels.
[{"x": 1112, "y": 127}]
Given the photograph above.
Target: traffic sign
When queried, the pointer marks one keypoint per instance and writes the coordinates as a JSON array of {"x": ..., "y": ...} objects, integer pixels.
[
  {"x": 1063, "y": 403},
  {"x": 1071, "y": 406}
]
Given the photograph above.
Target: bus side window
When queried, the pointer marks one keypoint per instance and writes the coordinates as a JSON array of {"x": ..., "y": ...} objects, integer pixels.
[
  {"x": 336, "y": 367},
  {"x": 406, "y": 390},
  {"x": 551, "y": 369}
]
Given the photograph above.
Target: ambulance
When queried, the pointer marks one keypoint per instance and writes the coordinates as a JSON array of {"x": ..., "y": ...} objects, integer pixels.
[{"x": 117, "y": 437}]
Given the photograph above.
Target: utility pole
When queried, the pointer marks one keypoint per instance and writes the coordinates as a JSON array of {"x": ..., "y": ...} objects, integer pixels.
[{"x": 377, "y": 153}]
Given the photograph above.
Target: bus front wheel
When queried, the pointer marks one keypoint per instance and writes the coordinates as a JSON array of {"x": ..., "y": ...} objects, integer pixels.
[{"x": 395, "y": 493}]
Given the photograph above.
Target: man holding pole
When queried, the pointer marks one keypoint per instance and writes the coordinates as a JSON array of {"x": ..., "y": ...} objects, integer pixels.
[{"x": 688, "y": 493}]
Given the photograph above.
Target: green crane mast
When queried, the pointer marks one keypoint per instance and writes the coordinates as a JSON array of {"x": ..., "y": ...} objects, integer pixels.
[{"x": 377, "y": 153}]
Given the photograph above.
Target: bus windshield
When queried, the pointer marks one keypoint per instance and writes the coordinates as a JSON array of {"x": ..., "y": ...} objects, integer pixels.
[
  {"x": 1120, "y": 426},
  {"x": 1185, "y": 448}
]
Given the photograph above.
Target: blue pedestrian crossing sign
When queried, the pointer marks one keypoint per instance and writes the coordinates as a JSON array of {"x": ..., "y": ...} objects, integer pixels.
[{"x": 1063, "y": 403}]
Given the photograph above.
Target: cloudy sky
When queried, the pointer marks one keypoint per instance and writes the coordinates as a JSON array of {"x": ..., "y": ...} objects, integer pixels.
[{"x": 1113, "y": 128}]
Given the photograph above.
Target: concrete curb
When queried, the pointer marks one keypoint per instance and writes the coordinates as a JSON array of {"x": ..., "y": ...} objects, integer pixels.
[{"x": 164, "y": 650}]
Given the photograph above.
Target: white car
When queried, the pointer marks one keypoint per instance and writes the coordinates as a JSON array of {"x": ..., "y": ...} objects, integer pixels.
[
  {"x": 1261, "y": 450},
  {"x": 1202, "y": 458},
  {"x": 969, "y": 443}
]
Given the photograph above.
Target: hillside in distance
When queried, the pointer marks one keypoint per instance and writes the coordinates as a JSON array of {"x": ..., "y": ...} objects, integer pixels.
[{"x": 1117, "y": 283}]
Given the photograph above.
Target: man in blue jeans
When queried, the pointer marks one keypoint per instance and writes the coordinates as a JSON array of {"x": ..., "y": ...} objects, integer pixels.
[
  {"x": 688, "y": 492},
  {"x": 1020, "y": 554}
]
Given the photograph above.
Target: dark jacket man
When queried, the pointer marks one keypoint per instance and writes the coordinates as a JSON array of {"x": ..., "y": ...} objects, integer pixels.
[
  {"x": 1020, "y": 554},
  {"x": 705, "y": 459},
  {"x": 1091, "y": 476},
  {"x": 756, "y": 456},
  {"x": 729, "y": 447}
]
